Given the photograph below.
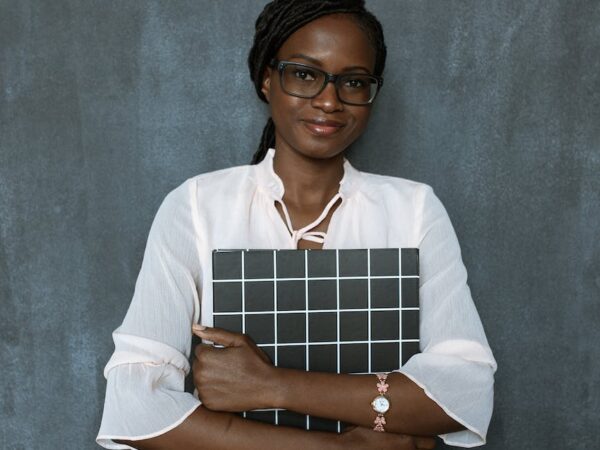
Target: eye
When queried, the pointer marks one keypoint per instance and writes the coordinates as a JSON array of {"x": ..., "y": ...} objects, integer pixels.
[
  {"x": 303, "y": 74},
  {"x": 355, "y": 83}
]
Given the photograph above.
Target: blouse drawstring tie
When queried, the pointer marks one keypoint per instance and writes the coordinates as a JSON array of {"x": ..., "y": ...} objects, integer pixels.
[{"x": 304, "y": 232}]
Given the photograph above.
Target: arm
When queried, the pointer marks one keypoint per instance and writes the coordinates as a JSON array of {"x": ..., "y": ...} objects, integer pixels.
[
  {"x": 210, "y": 430},
  {"x": 348, "y": 398},
  {"x": 240, "y": 377}
]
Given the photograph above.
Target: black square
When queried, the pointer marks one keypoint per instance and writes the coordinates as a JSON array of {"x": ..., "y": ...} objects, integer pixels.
[
  {"x": 354, "y": 358},
  {"x": 227, "y": 265},
  {"x": 385, "y": 357},
  {"x": 291, "y": 327},
  {"x": 409, "y": 349},
  {"x": 227, "y": 296},
  {"x": 354, "y": 326},
  {"x": 261, "y": 416},
  {"x": 385, "y": 325},
  {"x": 290, "y": 264},
  {"x": 321, "y": 263},
  {"x": 410, "y": 261},
  {"x": 384, "y": 262},
  {"x": 410, "y": 324},
  {"x": 258, "y": 295},
  {"x": 269, "y": 351},
  {"x": 261, "y": 328},
  {"x": 258, "y": 264},
  {"x": 291, "y": 356},
  {"x": 292, "y": 419},
  {"x": 354, "y": 263},
  {"x": 320, "y": 424},
  {"x": 410, "y": 292},
  {"x": 291, "y": 295},
  {"x": 322, "y": 327},
  {"x": 323, "y": 358},
  {"x": 231, "y": 322},
  {"x": 354, "y": 294},
  {"x": 385, "y": 293},
  {"x": 322, "y": 294}
]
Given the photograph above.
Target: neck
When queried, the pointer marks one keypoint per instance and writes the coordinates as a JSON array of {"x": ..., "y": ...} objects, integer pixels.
[{"x": 308, "y": 182}]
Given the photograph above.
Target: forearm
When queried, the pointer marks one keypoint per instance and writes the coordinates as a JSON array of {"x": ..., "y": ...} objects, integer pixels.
[
  {"x": 348, "y": 398},
  {"x": 205, "y": 429}
]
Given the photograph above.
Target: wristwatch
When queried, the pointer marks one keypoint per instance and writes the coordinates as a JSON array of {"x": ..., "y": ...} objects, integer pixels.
[{"x": 381, "y": 403}]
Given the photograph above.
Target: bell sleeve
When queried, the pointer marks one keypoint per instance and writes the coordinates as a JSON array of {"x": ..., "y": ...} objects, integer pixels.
[
  {"x": 145, "y": 375},
  {"x": 456, "y": 366}
]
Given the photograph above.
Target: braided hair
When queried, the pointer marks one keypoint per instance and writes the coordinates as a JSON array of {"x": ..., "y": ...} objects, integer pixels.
[{"x": 279, "y": 20}]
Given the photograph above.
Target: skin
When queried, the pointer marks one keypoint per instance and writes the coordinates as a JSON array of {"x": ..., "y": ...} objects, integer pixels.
[{"x": 240, "y": 376}]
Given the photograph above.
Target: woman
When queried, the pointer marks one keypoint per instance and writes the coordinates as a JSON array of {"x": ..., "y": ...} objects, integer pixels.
[{"x": 300, "y": 193}]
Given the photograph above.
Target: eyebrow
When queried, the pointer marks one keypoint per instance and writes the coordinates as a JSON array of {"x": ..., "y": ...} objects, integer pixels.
[{"x": 318, "y": 63}]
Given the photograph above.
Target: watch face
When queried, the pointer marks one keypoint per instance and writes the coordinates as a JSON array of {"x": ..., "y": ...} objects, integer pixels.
[{"x": 380, "y": 404}]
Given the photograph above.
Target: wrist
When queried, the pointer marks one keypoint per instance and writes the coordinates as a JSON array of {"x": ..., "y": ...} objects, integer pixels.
[{"x": 277, "y": 387}]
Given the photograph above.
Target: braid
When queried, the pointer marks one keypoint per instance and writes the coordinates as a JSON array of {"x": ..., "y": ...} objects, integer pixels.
[
  {"x": 266, "y": 142},
  {"x": 279, "y": 20}
]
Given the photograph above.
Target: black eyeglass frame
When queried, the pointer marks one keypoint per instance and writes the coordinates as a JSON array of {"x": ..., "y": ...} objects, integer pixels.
[{"x": 329, "y": 77}]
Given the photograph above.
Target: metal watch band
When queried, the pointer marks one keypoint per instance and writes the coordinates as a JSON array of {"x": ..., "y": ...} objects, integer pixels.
[{"x": 382, "y": 388}]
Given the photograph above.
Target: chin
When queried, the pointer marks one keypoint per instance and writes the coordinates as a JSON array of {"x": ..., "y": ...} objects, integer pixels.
[
  {"x": 321, "y": 147},
  {"x": 321, "y": 151}
]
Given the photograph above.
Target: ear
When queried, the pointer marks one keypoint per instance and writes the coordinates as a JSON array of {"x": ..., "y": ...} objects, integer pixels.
[{"x": 266, "y": 84}]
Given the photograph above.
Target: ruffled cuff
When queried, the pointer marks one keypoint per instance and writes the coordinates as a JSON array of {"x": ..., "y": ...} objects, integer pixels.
[
  {"x": 143, "y": 400},
  {"x": 464, "y": 389}
]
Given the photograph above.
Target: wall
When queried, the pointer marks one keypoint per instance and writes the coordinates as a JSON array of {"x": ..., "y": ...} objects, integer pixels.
[{"x": 107, "y": 106}]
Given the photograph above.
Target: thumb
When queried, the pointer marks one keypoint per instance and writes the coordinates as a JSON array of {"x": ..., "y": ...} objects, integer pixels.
[{"x": 219, "y": 336}]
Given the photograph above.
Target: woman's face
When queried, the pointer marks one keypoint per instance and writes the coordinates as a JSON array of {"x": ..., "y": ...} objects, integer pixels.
[{"x": 335, "y": 44}]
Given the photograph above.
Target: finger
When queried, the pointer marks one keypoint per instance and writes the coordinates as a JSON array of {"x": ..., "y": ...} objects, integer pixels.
[{"x": 219, "y": 336}]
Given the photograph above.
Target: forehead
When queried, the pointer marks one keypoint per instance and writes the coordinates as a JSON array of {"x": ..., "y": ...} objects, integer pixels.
[{"x": 336, "y": 41}]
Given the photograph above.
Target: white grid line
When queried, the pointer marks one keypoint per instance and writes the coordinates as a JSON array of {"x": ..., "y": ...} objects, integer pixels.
[
  {"x": 337, "y": 292},
  {"x": 369, "y": 303},
  {"x": 275, "y": 318},
  {"x": 243, "y": 293},
  {"x": 400, "y": 310},
  {"x": 243, "y": 301},
  {"x": 295, "y": 311},
  {"x": 374, "y": 277},
  {"x": 306, "y": 315},
  {"x": 298, "y": 344},
  {"x": 337, "y": 287}
]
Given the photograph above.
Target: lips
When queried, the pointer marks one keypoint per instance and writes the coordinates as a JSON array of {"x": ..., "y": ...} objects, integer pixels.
[{"x": 321, "y": 127}]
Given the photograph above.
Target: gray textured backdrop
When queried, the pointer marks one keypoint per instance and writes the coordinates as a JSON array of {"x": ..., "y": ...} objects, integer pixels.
[{"x": 105, "y": 106}]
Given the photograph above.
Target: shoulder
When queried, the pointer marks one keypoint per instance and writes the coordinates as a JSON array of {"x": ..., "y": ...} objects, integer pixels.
[
  {"x": 405, "y": 199},
  {"x": 218, "y": 182},
  {"x": 394, "y": 188},
  {"x": 223, "y": 178}
]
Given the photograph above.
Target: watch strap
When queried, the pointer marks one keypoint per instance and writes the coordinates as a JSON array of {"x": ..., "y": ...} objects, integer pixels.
[{"x": 382, "y": 388}]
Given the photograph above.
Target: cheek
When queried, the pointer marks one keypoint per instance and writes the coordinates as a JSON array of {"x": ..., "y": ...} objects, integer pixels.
[
  {"x": 286, "y": 109},
  {"x": 361, "y": 117}
]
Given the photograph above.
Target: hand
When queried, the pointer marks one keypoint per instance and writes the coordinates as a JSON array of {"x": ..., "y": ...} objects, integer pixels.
[
  {"x": 365, "y": 438},
  {"x": 235, "y": 378}
]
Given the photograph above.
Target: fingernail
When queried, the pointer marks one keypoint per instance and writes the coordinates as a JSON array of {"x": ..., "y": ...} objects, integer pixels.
[{"x": 197, "y": 327}]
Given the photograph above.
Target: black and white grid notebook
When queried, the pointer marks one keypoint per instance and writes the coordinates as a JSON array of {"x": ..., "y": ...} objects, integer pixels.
[{"x": 343, "y": 311}]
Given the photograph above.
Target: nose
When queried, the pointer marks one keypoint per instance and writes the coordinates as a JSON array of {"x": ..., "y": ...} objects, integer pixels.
[{"x": 328, "y": 99}]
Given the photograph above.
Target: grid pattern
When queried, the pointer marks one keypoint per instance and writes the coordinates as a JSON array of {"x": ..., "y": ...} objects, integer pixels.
[{"x": 342, "y": 311}]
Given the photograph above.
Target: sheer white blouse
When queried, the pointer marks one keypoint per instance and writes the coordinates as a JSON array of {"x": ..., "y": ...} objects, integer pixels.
[{"x": 235, "y": 208}]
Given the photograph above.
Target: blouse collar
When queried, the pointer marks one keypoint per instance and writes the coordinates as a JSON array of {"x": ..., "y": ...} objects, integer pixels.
[{"x": 272, "y": 184}]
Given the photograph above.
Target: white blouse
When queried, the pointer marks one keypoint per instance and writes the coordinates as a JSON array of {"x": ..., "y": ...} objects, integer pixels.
[{"x": 235, "y": 208}]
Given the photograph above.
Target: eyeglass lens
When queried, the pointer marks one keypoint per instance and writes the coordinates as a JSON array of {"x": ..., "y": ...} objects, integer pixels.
[{"x": 307, "y": 82}]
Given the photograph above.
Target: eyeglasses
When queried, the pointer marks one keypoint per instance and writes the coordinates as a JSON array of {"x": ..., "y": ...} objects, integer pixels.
[{"x": 304, "y": 81}]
